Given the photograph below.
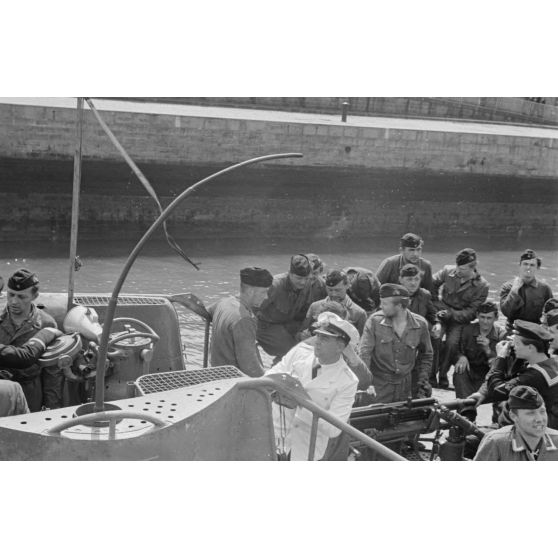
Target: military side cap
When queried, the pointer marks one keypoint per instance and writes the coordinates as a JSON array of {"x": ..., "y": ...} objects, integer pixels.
[
  {"x": 524, "y": 397},
  {"x": 529, "y": 330},
  {"x": 409, "y": 270},
  {"x": 530, "y": 255},
  {"x": 487, "y": 307},
  {"x": 256, "y": 277},
  {"x": 552, "y": 318},
  {"x": 315, "y": 261},
  {"x": 550, "y": 304},
  {"x": 300, "y": 265},
  {"x": 22, "y": 279},
  {"x": 391, "y": 289},
  {"x": 334, "y": 277},
  {"x": 465, "y": 256},
  {"x": 411, "y": 240}
]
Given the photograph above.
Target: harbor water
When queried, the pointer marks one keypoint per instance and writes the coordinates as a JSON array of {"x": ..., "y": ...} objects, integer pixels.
[{"x": 159, "y": 270}]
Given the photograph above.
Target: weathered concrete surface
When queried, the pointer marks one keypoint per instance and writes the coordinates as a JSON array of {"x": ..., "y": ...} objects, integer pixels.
[{"x": 370, "y": 177}]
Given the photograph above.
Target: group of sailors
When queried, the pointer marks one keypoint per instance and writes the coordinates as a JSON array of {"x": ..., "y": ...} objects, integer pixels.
[
  {"x": 394, "y": 334},
  {"x": 388, "y": 335}
]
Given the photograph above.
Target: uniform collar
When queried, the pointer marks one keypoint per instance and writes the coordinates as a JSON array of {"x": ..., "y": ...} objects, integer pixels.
[
  {"x": 33, "y": 319},
  {"x": 534, "y": 283},
  {"x": 245, "y": 305},
  {"x": 518, "y": 444},
  {"x": 475, "y": 278},
  {"x": 492, "y": 334}
]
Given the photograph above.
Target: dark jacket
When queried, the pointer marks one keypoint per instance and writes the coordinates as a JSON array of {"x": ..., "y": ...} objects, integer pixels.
[
  {"x": 421, "y": 304},
  {"x": 27, "y": 354},
  {"x": 388, "y": 272},
  {"x": 479, "y": 358},
  {"x": 9, "y": 335},
  {"x": 526, "y": 304},
  {"x": 285, "y": 305},
  {"x": 542, "y": 376},
  {"x": 364, "y": 289},
  {"x": 462, "y": 300}
]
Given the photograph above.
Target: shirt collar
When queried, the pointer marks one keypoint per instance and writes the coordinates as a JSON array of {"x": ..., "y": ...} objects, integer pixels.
[
  {"x": 411, "y": 321},
  {"x": 534, "y": 283}
]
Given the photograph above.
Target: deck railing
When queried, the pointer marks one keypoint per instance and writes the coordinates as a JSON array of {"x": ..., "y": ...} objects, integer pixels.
[{"x": 268, "y": 385}]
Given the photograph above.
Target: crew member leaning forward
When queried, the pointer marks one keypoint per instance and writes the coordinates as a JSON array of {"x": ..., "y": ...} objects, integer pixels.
[
  {"x": 328, "y": 381},
  {"x": 396, "y": 346},
  {"x": 282, "y": 313},
  {"x": 540, "y": 371},
  {"x": 337, "y": 284},
  {"x": 233, "y": 339},
  {"x": 19, "y": 322},
  {"x": 463, "y": 291},
  {"x": 529, "y": 439}
]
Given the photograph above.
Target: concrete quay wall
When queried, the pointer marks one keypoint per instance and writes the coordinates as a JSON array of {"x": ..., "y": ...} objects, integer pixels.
[
  {"x": 48, "y": 132},
  {"x": 354, "y": 181}
]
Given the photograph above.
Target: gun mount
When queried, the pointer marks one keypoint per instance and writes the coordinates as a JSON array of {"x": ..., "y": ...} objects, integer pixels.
[{"x": 402, "y": 426}]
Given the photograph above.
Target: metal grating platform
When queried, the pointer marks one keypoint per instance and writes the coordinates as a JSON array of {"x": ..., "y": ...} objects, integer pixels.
[
  {"x": 91, "y": 300},
  {"x": 164, "y": 381}
]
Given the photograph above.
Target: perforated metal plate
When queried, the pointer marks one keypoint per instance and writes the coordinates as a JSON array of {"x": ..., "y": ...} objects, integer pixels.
[
  {"x": 164, "y": 381},
  {"x": 128, "y": 300}
]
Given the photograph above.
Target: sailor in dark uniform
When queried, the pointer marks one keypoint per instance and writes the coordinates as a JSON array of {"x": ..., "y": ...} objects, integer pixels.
[
  {"x": 282, "y": 313},
  {"x": 530, "y": 342}
]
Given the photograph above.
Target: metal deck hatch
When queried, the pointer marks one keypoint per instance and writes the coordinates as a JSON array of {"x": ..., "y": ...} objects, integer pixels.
[{"x": 165, "y": 381}]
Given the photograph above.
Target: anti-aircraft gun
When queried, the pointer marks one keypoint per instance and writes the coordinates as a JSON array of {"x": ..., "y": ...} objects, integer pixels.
[{"x": 402, "y": 426}]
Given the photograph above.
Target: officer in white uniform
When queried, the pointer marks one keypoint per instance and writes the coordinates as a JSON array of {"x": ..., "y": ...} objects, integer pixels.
[{"x": 327, "y": 379}]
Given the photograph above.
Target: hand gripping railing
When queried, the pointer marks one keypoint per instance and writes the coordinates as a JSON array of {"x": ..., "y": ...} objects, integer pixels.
[{"x": 267, "y": 384}]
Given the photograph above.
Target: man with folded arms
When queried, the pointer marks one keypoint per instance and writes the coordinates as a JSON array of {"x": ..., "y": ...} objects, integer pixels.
[
  {"x": 20, "y": 321},
  {"x": 12, "y": 398}
]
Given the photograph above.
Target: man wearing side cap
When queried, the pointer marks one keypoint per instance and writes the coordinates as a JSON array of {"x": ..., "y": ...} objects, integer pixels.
[
  {"x": 524, "y": 297},
  {"x": 328, "y": 381},
  {"x": 531, "y": 344},
  {"x": 317, "y": 282},
  {"x": 364, "y": 288},
  {"x": 282, "y": 313},
  {"x": 477, "y": 350},
  {"x": 529, "y": 438},
  {"x": 463, "y": 290},
  {"x": 336, "y": 284},
  {"x": 396, "y": 347},
  {"x": 410, "y": 253},
  {"x": 551, "y": 324},
  {"x": 233, "y": 340},
  {"x": 19, "y": 322}
]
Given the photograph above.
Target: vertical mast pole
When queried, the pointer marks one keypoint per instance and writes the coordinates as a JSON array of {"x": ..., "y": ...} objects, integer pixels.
[{"x": 75, "y": 201}]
